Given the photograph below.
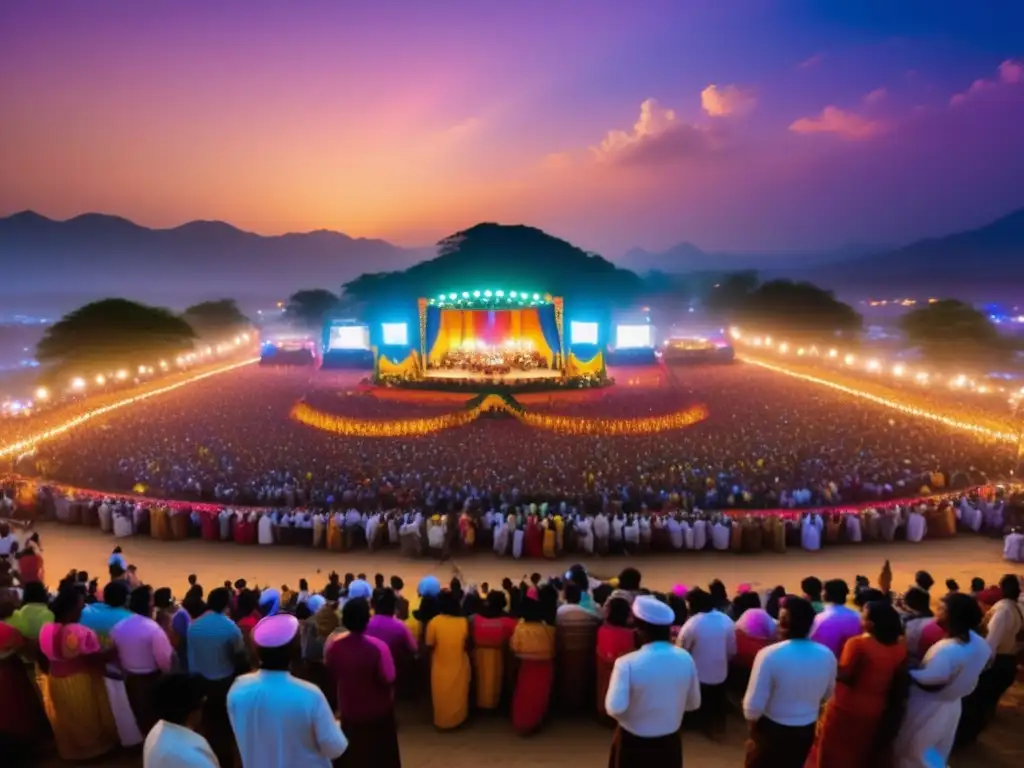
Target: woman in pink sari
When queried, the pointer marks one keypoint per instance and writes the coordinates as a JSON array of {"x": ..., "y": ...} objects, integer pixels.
[{"x": 74, "y": 695}]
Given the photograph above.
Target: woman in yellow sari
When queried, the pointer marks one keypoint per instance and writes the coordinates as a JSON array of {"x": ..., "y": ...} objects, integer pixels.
[
  {"x": 74, "y": 695},
  {"x": 550, "y": 545},
  {"x": 447, "y": 635},
  {"x": 533, "y": 643},
  {"x": 492, "y": 629}
]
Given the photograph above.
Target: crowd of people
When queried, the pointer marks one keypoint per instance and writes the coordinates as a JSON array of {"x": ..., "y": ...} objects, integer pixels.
[
  {"x": 768, "y": 442},
  {"x": 825, "y": 675},
  {"x": 493, "y": 361}
]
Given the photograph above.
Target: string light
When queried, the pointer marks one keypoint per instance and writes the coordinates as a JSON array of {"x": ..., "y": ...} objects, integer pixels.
[
  {"x": 909, "y": 410},
  {"x": 30, "y": 443}
]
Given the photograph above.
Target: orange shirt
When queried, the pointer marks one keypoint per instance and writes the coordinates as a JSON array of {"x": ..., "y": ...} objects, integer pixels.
[{"x": 872, "y": 666}]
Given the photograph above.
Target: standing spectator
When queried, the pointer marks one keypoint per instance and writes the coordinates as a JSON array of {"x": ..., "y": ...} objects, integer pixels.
[
  {"x": 650, "y": 692},
  {"x": 788, "y": 684},
  {"x": 172, "y": 743},
  {"x": 710, "y": 637},
  {"x": 447, "y": 635},
  {"x": 836, "y": 623},
  {"x": 363, "y": 672},
  {"x": 280, "y": 721}
]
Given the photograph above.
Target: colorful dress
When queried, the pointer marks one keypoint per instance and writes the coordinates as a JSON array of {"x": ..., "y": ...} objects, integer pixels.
[
  {"x": 74, "y": 695},
  {"x": 612, "y": 642},
  {"x": 534, "y": 645},
  {"x": 449, "y": 670},
  {"x": 21, "y": 718},
  {"x": 490, "y": 642}
]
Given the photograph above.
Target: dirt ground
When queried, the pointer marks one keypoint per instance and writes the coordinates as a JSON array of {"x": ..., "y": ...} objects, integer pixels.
[{"x": 563, "y": 742}]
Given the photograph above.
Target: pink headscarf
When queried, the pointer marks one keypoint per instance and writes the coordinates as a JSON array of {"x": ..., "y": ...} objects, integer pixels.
[
  {"x": 680, "y": 590},
  {"x": 756, "y": 623}
]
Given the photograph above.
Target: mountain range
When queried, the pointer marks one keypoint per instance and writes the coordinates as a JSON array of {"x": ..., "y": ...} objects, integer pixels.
[{"x": 97, "y": 255}]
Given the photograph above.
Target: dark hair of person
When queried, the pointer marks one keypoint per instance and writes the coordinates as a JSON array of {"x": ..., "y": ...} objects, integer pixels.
[
  {"x": 964, "y": 615},
  {"x": 332, "y": 593},
  {"x": 355, "y": 615},
  {"x": 629, "y": 579},
  {"x": 83, "y": 576},
  {"x": 192, "y": 579},
  {"x": 448, "y": 603},
  {"x": 115, "y": 570},
  {"x": 678, "y": 606},
  {"x": 240, "y": 584},
  {"x": 219, "y": 600},
  {"x": 349, "y": 578},
  {"x": 303, "y": 585},
  {"x": 1009, "y": 585},
  {"x": 66, "y": 606},
  {"x": 602, "y": 592},
  {"x": 248, "y": 602},
  {"x": 361, "y": 576},
  {"x": 302, "y": 611},
  {"x": 924, "y": 580},
  {"x": 548, "y": 598},
  {"x": 886, "y": 626},
  {"x": 917, "y": 600},
  {"x": 836, "y": 591},
  {"x": 573, "y": 595},
  {"x": 811, "y": 586},
  {"x": 117, "y": 550},
  {"x": 193, "y": 602},
  {"x": 494, "y": 605},
  {"x": 774, "y": 601},
  {"x": 140, "y": 600},
  {"x": 744, "y": 603},
  {"x": 384, "y": 602},
  {"x": 618, "y": 612},
  {"x": 800, "y": 614},
  {"x": 162, "y": 598},
  {"x": 34, "y": 592},
  {"x": 719, "y": 595},
  {"x": 176, "y": 697},
  {"x": 397, "y": 584},
  {"x": 952, "y": 586},
  {"x": 578, "y": 576},
  {"x": 428, "y": 609},
  {"x": 378, "y": 580},
  {"x": 870, "y": 595},
  {"x": 506, "y": 584},
  {"x": 532, "y": 611},
  {"x": 977, "y": 585},
  {"x": 277, "y": 659},
  {"x": 227, "y": 584},
  {"x": 116, "y": 594},
  {"x": 535, "y": 579},
  {"x": 699, "y": 601}
]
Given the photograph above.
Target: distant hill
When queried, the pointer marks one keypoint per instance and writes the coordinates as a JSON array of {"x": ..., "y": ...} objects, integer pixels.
[
  {"x": 687, "y": 257},
  {"x": 96, "y": 255},
  {"x": 980, "y": 264}
]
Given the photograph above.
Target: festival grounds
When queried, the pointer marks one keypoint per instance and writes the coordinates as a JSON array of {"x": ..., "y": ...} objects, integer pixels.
[{"x": 564, "y": 742}]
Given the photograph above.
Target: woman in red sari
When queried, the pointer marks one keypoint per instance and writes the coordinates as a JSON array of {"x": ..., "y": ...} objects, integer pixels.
[
  {"x": 533, "y": 643},
  {"x": 533, "y": 543},
  {"x": 492, "y": 629},
  {"x": 614, "y": 638}
]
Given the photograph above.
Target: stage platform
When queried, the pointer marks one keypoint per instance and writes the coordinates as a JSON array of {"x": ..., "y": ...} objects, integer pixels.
[{"x": 510, "y": 378}]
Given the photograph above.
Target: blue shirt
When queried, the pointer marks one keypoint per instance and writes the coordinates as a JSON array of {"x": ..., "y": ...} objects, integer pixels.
[
  {"x": 101, "y": 618},
  {"x": 214, "y": 644}
]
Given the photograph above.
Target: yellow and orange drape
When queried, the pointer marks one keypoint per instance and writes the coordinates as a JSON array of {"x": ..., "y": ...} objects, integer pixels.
[{"x": 492, "y": 327}]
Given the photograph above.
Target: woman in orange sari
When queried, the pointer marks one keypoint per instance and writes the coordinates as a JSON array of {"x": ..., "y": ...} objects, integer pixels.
[
  {"x": 447, "y": 636},
  {"x": 863, "y": 717},
  {"x": 492, "y": 630},
  {"x": 614, "y": 638},
  {"x": 74, "y": 695},
  {"x": 533, "y": 643}
]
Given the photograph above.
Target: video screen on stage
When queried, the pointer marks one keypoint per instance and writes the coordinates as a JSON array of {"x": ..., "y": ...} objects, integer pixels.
[
  {"x": 395, "y": 334},
  {"x": 349, "y": 337},
  {"x": 632, "y": 336},
  {"x": 582, "y": 333}
]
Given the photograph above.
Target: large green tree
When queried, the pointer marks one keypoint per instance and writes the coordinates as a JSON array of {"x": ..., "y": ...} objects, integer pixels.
[
  {"x": 798, "y": 310},
  {"x": 216, "y": 319},
  {"x": 951, "y": 331},
  {"x": 109, "y": 335},
  {"x": 309, "y": 308}
]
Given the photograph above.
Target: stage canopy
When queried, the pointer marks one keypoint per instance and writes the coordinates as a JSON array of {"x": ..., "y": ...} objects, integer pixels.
[{"x": 492, "y": 318}]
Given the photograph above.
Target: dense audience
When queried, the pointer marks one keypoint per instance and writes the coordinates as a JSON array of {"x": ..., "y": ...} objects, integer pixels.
[
  {"x": 825, "y": 675},
  {"x": 769, "y": 442}
]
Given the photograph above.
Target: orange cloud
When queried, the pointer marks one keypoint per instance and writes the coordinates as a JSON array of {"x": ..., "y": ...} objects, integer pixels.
[
  {"x": 658, "y": 136},
  {"x": 846, "y": 125},
  {"x": 727, "y": 100},
  {"x": 1010, "y": 72}
]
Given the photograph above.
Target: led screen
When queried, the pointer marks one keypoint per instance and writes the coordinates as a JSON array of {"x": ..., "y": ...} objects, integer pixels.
[
  {"x": 582, "y": 333},
  {"x": 632, "y": 336},
  {"x": 349, "y": 337},
  {"x": 395, "y": 334}
]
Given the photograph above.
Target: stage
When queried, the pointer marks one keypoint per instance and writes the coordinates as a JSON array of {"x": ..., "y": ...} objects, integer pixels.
[{"x": 513, "y": 378}]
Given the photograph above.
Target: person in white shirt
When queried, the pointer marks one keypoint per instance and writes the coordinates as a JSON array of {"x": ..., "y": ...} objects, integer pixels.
[
  {"x": 650, "y": 691},
  {"x": 171, "y": 743},
  {"x": 949, "y": 672},
  {"x": 788, "y": 684},
  {"x": 710, "y": 637},
  {"x": 278, "y": 720}
]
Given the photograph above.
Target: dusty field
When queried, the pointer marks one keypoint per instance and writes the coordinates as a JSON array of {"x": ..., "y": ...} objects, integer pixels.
[{"x": 565, "y": 742}]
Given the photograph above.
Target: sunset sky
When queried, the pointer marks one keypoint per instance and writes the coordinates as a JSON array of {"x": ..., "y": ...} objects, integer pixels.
[{"x": 734, "y": 124}]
